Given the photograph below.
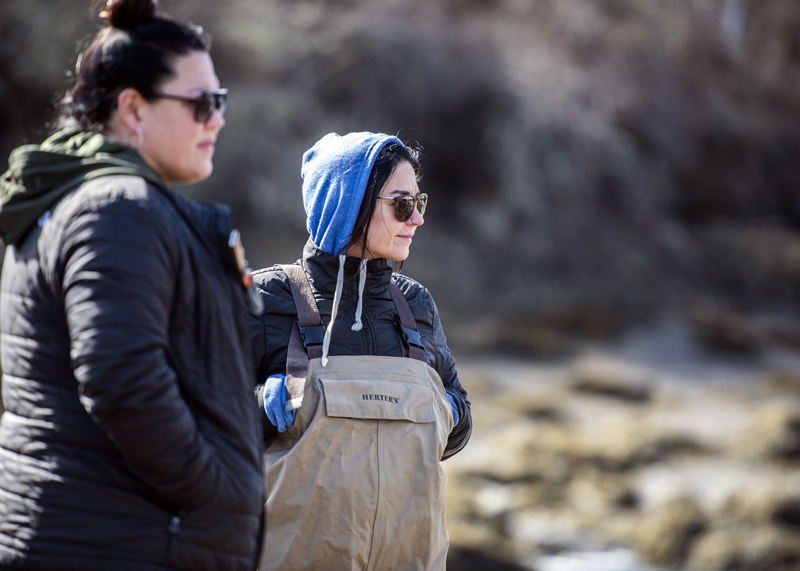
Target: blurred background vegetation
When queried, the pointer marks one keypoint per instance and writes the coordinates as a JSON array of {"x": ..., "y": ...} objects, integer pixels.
[
  {"x": 593, "y": 166},
  {"x": 590, "y": 164}
]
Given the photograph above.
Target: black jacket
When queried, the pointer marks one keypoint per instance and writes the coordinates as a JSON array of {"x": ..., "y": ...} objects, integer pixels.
[
  {"x": 130, "y": 441},
  {"x": 379, "y": 335}
]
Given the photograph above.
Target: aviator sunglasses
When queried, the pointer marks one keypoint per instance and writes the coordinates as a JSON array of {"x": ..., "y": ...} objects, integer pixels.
[
  {"x": 404, "y": 205},
  {"x": 205, "y": 105}
]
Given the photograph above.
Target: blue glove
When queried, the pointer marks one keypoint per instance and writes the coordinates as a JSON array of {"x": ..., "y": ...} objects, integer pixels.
[
  {"x": 275, "y": 403},
  {"x": 455, "y": 409}
]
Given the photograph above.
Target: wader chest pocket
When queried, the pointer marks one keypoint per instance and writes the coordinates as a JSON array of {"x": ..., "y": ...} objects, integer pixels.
[{"x": 378, "y": 399}]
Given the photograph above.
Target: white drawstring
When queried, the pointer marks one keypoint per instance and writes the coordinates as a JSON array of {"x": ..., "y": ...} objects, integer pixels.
[
  {"x": 362, "y": 279},
  {"x": 326, "y": 341}
]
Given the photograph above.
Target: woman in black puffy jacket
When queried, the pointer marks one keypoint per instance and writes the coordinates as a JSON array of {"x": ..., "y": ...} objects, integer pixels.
[
  {"x": 364, "y": 207},
  {"x": 129, "y": 441}
]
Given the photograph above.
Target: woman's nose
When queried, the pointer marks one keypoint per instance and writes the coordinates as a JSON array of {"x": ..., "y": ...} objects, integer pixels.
[
  {"x": 217, "y": 120},
  {"x": 416, "y": 218}
]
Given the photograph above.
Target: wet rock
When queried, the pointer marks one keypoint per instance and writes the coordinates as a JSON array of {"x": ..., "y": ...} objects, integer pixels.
[
  {"x": 665, "y": 536},
  {"x": 784, "y": 380},
  {"x": 549, "y": 333},
  {"x": 776, "y": 432},
  {"x": 739, "y": 332},
  {"x": 476, "y": 536},
  {"x": 768, "y": 549},
  {"x": 597, "y": 494},
  {"x": 465, "y": 559},
  {"x": 612, "y": 389},
  {"x": 547, "y": 531},
  {"x": 726, "y": 331},
  {"x": 495, "y": 499},
  {"x": 520, "y": 337},
  {"x": 555, "y": 452},
  {"x": 510, "y": 461},
  {"x": 715, "y": 551},
  {"x": 787, "y": 513},
  {"x": 669, "y": 446},
  {"x": 746, "y": 549},
  {"x": 587, "y": 321},
  {"x": 608, "y": 379},
  {"x": 535, "y": 403}
]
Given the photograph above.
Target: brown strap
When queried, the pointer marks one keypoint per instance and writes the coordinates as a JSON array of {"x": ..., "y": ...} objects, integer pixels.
[
  {"x": 409, "y": 325},
  {"x": 296, "y": 370},
  {"x": 306, "y": 305},
  {"x": 298, "y": 352}
]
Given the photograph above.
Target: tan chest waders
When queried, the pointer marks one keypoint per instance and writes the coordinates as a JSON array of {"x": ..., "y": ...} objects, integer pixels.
[{"x": 356, "y": 482}]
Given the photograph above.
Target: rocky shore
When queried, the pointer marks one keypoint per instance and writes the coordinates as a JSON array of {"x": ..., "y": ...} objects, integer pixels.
[{"x": 648, "y": 454}]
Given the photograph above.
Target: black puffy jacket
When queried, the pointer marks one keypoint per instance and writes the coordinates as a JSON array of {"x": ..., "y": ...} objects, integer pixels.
[
  {"x": 130, "y": 441},
  {"x": 379, "y": 335}
]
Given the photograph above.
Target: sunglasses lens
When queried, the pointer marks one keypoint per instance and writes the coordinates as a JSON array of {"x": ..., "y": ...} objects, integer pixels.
[
  {"x": 404, "y": 208},
  {"x": 422, "y": 203},
  {"x": 222, "y": 102},
  {"x": 204, "y": 107},
  {"x": 208, "y": 103}
]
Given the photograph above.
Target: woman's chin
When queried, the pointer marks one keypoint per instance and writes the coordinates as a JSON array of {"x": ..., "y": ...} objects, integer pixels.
[
  {"x": 399, "y": 256},
  {"x": 204, "y": 171},
  {"x": 394, "y": 253}
]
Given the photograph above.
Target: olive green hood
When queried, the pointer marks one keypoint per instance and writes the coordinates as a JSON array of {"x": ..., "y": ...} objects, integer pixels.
[{"x": 39, "y": 175}]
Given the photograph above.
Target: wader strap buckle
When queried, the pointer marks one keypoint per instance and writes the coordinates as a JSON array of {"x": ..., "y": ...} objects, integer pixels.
[
  {"x": 312, "y": 335},
  {"x": 411, "y": 336}
]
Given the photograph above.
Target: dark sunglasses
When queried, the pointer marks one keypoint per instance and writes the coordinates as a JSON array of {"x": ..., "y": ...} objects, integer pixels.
[
  {"x": 404, "y": 205},
  {"x": 205, "y": 105}
]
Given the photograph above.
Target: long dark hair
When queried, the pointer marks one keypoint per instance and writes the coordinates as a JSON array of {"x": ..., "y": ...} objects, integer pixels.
[
  {"x": 137, "y": 49},
  {"x": 386, "y": 162}
]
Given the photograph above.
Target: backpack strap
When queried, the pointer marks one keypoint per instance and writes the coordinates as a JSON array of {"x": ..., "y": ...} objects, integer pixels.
[
  {"x": 305, "y": 341},
  {"x": 407, "y": 326}
]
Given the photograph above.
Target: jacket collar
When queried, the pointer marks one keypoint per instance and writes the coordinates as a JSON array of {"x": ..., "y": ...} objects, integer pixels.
[
  {"x": 322, "y": 269},
  {"x": 39, "y": 175}
]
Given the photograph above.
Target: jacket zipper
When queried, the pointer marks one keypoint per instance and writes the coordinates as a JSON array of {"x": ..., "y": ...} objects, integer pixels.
[
  {"x": 174, "y": 529},
  {"x": 367, "y": 326}
]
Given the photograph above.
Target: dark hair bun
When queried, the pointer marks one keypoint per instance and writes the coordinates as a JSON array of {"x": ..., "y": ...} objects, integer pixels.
[{"x": 129, "y": 14}]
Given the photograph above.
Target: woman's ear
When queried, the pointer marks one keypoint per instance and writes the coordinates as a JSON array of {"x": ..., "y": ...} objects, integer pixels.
[{"x": 128, "y": 103}]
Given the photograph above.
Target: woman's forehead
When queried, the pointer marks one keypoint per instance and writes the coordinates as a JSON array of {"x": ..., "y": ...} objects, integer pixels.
[{"x": 402, "y": 181}]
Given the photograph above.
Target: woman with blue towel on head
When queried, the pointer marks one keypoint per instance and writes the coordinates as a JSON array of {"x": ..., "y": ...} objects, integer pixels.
[{"x": 361, "y": 397}]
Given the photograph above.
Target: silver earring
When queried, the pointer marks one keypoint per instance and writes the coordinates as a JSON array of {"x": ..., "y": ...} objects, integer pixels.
[{"x": 139, "y": 138}]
